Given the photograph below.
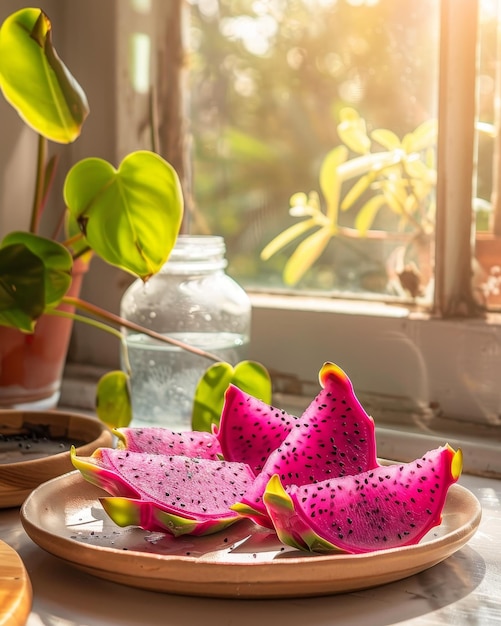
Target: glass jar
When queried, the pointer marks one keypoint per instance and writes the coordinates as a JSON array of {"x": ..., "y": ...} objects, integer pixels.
[{"x": 191, "y": 299}]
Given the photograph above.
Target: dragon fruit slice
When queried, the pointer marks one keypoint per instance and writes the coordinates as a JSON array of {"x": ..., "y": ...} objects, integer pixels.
[
  {"x": 387, "y": 507},
  {"x": 249, "y": 429},
  {"x": 334, "y": 437},
  {"x": 158, "y": 440},
  {"x": 175, "y": 494}
]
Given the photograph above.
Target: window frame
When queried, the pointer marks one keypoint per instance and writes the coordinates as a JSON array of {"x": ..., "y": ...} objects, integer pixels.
[{"x": 455, "y": 160}]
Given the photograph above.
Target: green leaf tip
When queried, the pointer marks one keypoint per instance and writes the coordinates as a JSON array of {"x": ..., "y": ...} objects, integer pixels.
[{"x": 36, "y": 82}]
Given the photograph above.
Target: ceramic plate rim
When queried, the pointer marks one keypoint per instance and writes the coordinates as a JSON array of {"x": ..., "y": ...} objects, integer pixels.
[{"x": 237, "y": 579}]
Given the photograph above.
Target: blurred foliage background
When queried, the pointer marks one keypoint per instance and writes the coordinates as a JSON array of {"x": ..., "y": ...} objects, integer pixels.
[{"x": 268, "y": 80}]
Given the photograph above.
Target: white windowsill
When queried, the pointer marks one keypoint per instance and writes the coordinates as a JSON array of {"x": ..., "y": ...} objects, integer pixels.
[{"x": 450, "y": 368}]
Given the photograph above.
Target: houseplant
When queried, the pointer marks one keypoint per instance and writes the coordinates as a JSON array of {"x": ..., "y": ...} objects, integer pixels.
[
  {"x": 391, "y": 175},
  {"x": 108, "y": 205},
  {"x": 129, "y": 216},
  {"x": 374, "y": 174}
]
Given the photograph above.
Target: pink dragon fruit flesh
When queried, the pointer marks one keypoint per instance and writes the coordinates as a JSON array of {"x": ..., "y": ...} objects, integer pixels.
[
  {"x": 387, "y": 507},
  {"x": 334, "y": 437},
  {"x": 174, "y": 494},
  {"x": 159, "y": 440},
  {"x": 249, "y": 429}
]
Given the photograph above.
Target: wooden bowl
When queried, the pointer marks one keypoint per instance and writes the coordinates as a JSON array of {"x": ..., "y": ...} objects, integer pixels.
[{"x": 24, "y": 468}]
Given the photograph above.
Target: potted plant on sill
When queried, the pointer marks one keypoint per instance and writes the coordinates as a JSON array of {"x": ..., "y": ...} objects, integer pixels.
[
  {"x": 391, "y": 174},
  {"x": 129, "y": 216}
]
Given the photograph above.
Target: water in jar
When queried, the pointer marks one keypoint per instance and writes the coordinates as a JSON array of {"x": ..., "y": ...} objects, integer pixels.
[{"x": 164, "y": 377}]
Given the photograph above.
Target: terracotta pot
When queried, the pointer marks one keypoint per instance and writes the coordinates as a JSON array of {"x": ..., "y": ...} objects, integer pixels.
[
  {"x": 19, "y": 477},
  {"x": 31, "y": 365}
]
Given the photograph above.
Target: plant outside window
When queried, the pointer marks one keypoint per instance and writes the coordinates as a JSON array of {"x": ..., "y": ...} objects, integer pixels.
[{"x": 278, "y": 91}]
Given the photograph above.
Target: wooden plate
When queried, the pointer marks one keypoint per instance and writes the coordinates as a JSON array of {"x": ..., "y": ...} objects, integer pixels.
[
  {"x": 15, "y": 588},
  {"x": 64, "y": 517}
]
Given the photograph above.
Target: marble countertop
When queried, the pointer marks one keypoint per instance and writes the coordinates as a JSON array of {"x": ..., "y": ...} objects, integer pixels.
[{"x": 464, "y": 589}]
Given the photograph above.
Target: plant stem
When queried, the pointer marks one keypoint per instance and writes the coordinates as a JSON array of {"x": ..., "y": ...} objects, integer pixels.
[
  {"x": 96, "y": 324},
  {"x": 39, "y": 184},
  {"x": 111, "y": 318},
  {"x": 86, "y": 320},
  {"x": 153, "y": 110}
]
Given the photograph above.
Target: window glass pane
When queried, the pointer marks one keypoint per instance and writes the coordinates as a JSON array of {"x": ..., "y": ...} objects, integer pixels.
[
  {"x": 487, "y": 203},
  {"x": 271, "y": 82}
]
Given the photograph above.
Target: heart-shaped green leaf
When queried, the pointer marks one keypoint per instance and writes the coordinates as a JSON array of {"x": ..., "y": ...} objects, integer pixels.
[
  {"x": 249, "y": 376},
  {"x": 35, "y": 273},
  {"x": 35, "y": 81},
  {"x": 113, "y": 402},
  {"x": 21, "y": 287},
  {"x": 131, "y": 216},
  {"x": 56, "y": 259}
]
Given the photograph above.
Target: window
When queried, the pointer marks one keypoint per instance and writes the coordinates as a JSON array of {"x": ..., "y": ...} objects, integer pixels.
[{"x": 285, "y": 94}]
